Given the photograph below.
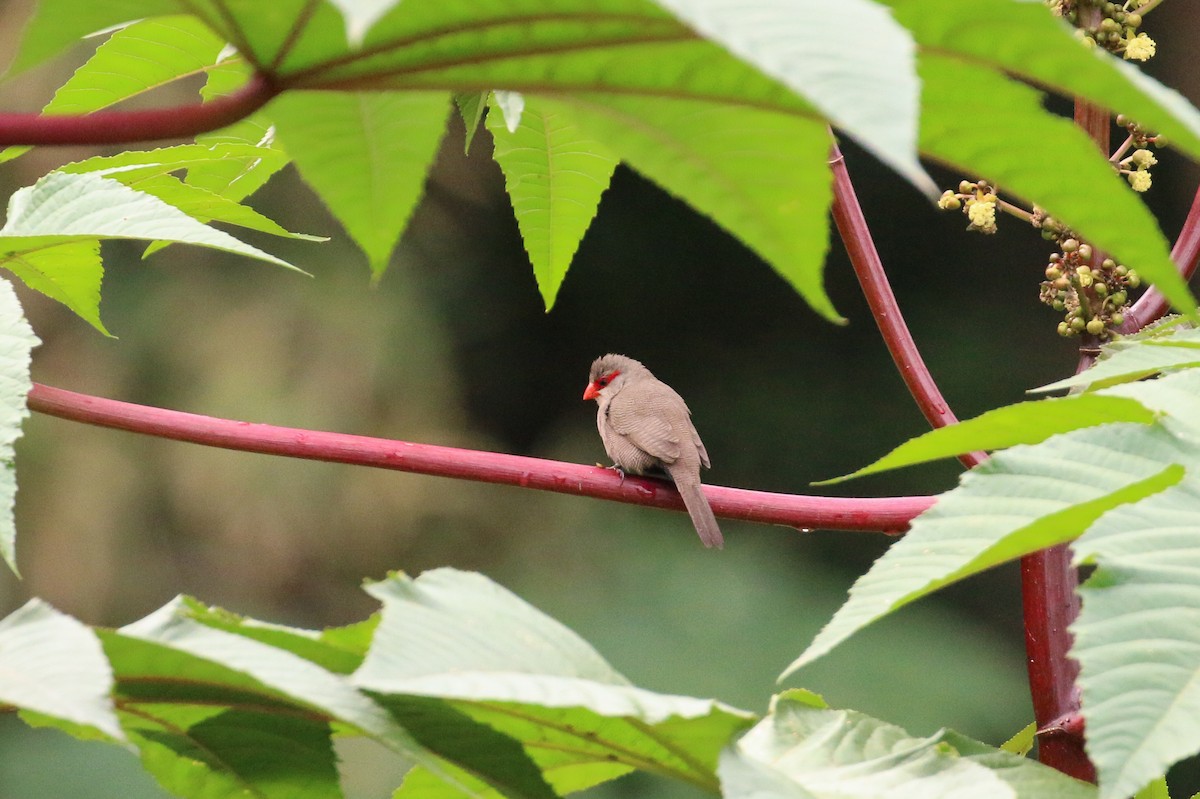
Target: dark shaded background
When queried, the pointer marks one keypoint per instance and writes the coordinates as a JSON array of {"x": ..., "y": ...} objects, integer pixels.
[{"x": 453, "y": 347}]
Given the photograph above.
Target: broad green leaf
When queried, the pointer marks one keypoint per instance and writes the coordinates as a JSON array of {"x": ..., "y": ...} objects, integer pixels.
[
  {"x": 17, "y": 341},
  {"x": 1022, "y": 423},
  {"x": 1129, "y": 359},
  {"x": 1028, "y": 498},
  {"x": 1137, "y": 638},
  {"x": 1020, "y": 501},
  {"x": 151, "y": 172},
  {"x": 228, "y": 663},
  {"x": 471, "y": 106},
  {"x": 802, "y": 751},
  {"x": 58, "y": 24},
  {"x": 1156, "y": 789},
  {"x": 1025, "y": 39},
  {"x": 760, "y": 174},
  {"x": 62, "y": 208},
  {"x": 366, "y": 155},
  {"x": 873, "y": 99},
  {"x": 421, "y": 783},
  {"x": 132, "y": 61},
  {"x": 554, "y": 176},
  {"x": 338, "y": 649},
  {"x": 461, "y": 639},
  {"x": 360, "y": 15},
  {"x": 240, "y": 752},
  {"x": 53, "y": 665},
  {"x": 1095, "y": 201},
  {"x": 70, "y": 273},
  {"x": 235, "y": 180}
]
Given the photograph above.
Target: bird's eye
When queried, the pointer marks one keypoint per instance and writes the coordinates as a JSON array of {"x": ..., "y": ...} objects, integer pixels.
[{"x": 602, "y": 382}]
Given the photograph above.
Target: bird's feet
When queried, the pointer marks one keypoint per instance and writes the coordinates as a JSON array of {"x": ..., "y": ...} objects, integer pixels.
[{"x": 616, "y": 469}]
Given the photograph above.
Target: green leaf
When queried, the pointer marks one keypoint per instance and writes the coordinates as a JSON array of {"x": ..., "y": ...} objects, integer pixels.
[
  {"x": 60, "y": 208},
  {"x": 1022, "y": 743},
  {"x": 1095, "y": 202},
  {"x": 510, "y": 105},
  {"x": 1155, "y": 789},
  {"x": 873, "y": 99},
  {"x": 1022, "y": 423},
  {"x": 1127, "y": 359},
  {"x": 385, "y": 140},
  {"x": 554, "y": 176},
  {"x": 58, "y": 24},
  {"x": 239, "y": 753},
  {"x": 759, "y": 173},
  {"x": 1028, "y": 498},
  {"x": 207, "y": 660},
  {"x": 150, "y": 172},
  {"x": 459, "y": 638},
  {"x": 70, "y": 273},
  {"x": 1025, "y": 39},
  {"x": 471, "y": 106},
  {"x": 53, "y": 665},
  {"x": 360, "y": 15},
  {"x": 1137, "y": 639},
  {"x": 802, "y": 751},
  {"x": 17, "y": 341},
  {"x": 132, "y": 61}
]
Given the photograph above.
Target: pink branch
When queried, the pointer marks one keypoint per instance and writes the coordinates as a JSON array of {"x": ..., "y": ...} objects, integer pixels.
[
  {"x": 115, "y": 127},
  {"x": 852, "y": 226},
  {"x": 887, "y": 514}
]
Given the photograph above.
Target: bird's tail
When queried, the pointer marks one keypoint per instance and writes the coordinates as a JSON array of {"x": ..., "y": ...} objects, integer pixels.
[{"x": 698, "y": 508}]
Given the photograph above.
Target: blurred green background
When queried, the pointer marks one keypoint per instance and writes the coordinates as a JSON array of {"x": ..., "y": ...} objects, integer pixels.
[{"x": 453, "y": 347}]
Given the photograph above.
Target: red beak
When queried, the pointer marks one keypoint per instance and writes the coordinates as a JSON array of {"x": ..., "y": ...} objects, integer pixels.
[{"x": 591, "y": 392}]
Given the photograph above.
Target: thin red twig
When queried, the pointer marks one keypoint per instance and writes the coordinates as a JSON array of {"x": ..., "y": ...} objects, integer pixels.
[
  {"x": 852, "y": 226},
  {"x": 116, "y": 127},
  {"x": 886, "y": 514}
]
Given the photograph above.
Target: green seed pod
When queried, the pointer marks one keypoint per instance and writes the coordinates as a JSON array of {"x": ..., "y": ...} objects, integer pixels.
[
  {"x": 1133, "y": 20},
  {"x": 1118, "y": 298},
  {"x": 1133, "y": 280},
  {"x": 1159, "y": 141},
  {"x": 1108, "y": 263},
  {"x": 1070, "y": 245},
  {"x": 1101, "y": 289},
  {"x": 1095, "y": 327},
  {"x": 1063, "y": 329},
  {"x": 1058, "y": 305},
  {"x": 1085, "y": 252},
  {"x": 1062, "y": 284},
  {"x": 1118, "y": 319},
  {"x": 1078, "y": 325},
  {"x": 966, "y": 187},
  {"x": 1053, "y": 272}
]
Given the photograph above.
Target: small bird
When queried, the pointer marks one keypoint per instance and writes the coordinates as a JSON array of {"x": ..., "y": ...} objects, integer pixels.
[{"x": 646, "y": 426}]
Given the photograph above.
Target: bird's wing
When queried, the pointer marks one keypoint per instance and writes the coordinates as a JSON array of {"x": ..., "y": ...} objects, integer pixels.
[{"x": 649, "y": 417}]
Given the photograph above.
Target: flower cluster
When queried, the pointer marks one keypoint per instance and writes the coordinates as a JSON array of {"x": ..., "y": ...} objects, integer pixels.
[
  {"x": 1093, "y": 297},
  {"x": 1117, "y": 30},
  {"x": 977, "y": 200},
  {"x": 1136, "y": 165}
]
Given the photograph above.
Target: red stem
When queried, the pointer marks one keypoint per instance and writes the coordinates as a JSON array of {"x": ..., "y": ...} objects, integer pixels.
[
  {"x": 887, "y": 514},
  {"x": 115, "y": 127},
  {"x": 1186, "y": 252},
  {"x": 1048, "y": 582},
  {"x": 852, "y": 226}
]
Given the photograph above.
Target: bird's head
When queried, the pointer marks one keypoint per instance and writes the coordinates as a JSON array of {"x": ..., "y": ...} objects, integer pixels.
[{"x": 608, "y": 374}]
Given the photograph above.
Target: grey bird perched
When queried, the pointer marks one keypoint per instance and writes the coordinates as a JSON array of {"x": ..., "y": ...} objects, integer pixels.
[{"x": 646, "y": 426}]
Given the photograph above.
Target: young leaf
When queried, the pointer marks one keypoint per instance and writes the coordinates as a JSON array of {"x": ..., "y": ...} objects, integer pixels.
[
  {"x": 53, "y": 665},
  {"x": 66, "y": 207},
  {"x": 873, "y": 99},
  {"x": 1028, "y": 498},
  {"x": 386, "y": 140},
  {"x": 70, "y": 273},
  {"x": 1022, "y": 423},
  {"x": 1134, "y": 358},
  {"x": 554, "y": 176},
  {"x": 804, "y": 751},
  {"x": 16, "y": 346},
  {"x": 471, "y": 106}
]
